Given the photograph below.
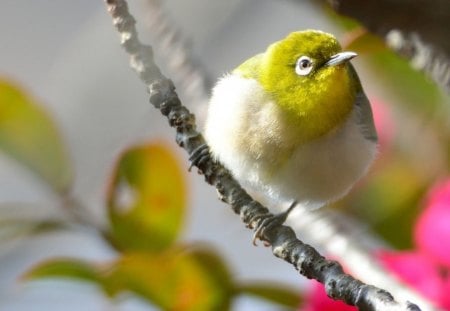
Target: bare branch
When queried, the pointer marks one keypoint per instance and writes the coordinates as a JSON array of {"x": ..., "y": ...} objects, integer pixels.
[{"x": 284, "y": 243}]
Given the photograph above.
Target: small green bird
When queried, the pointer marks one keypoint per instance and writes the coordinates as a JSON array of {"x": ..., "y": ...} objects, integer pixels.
[{"x": 294, "y": 122}]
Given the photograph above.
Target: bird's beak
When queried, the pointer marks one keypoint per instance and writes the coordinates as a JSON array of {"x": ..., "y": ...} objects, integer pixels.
[{"x": 340, "y": 58}]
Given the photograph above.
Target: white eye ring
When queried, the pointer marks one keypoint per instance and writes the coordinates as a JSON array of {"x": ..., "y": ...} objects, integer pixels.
[{"x": 304, "y": 66}]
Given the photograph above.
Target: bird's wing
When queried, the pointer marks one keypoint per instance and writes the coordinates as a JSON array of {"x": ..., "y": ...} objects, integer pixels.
[
  {"x": 365, "y": 117},
  {"x": 362, "y": 104}
]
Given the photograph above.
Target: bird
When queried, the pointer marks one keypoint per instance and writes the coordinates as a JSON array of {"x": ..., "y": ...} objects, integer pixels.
[{"x": 293, "y": 123}]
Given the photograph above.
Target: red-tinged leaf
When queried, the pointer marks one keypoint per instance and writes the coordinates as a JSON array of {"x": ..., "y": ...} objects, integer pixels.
[
  {"x": 171, "y": 280},
  {"x": 147, "y": 199},
  {"x": 29, "y": 135},
  {"x": 64, "y": 268}
]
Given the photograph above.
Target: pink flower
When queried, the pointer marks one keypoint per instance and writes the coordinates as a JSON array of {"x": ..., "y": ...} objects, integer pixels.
[
  {"x": 432, "y": 231},
  {"x": 416, "y": 270},
  {"x": 317, "y": 300},
  {"x": 427, "y": 268},
  {"x": 446, "y": 299}
]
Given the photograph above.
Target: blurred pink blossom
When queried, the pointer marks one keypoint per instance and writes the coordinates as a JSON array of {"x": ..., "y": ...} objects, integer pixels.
[
  {"x": 427, "y": 268},
  {"x": 416, "y": 270},
  {"x": 317, "y": 300},
  {"x": 432, "y": 230}
]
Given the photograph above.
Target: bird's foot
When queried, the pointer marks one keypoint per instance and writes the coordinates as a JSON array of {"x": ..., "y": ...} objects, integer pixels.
[
  {"x": 199, "y": 155},
  {"x": 267, "y": 222}
]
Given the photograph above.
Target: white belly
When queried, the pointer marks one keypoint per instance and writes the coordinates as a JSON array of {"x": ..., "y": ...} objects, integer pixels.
[
  {"x": 243, "y": 131},
  {"x": 325, "y": 170}
]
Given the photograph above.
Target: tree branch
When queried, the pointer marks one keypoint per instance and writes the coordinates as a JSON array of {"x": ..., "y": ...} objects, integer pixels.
[
  {"x": 347, "y": 242},
  {"x": 284, "y": 243}
]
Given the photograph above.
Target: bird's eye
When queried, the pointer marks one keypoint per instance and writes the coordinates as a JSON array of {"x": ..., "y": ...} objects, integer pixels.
[{"x": 304, "y": 66}]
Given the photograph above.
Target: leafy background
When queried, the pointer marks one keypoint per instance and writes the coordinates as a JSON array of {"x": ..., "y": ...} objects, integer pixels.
[{"x": 82, "y": 149}]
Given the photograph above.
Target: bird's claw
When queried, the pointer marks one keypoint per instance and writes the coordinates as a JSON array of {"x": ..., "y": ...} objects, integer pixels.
[
  {"x": 259, "y": 219},
  {"x": 268, "y": 221}
]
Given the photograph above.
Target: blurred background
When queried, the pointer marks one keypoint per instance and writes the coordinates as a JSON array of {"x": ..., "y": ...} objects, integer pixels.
[{"x": 77, "y": 135}]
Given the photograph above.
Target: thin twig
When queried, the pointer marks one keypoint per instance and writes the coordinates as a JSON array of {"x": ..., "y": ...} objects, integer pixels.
[
  {"x": 172, "y": 47},
  {"x": 284, "y": 243}
]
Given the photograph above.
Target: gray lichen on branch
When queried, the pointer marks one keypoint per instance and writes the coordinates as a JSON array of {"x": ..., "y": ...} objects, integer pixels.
[
  {"x": 422, "y": 56},
  {"x": 283, "y": 240}
]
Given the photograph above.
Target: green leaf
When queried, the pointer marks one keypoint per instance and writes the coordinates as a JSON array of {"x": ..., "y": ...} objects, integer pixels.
[
  {"x": 63, "y": 268},
  {"x": 28, "y": 134},
  {"x": 277, "y": 293},
  {"x": 172, "y": 280},
  {"x": 176, "y": 279},
  {"x": 147, "y": 199}
]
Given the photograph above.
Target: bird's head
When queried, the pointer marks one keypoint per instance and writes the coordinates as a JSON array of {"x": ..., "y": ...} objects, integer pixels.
[{"x": 308, "y": 75}]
